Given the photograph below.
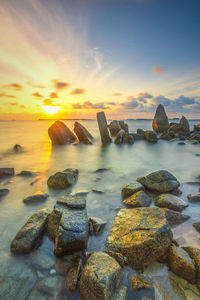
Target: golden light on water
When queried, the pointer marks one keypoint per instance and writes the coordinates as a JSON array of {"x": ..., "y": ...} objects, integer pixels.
[{"x": 51, "y": 109}]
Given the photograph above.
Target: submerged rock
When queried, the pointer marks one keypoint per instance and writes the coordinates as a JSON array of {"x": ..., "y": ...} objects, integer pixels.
[
  {"x": 160, "y": 121},
  {"x": 61, "y": 180},
  {"x": 97, "y": 224},
  {"x": 30, "y": 235},
  {"x": 171, "y": 202},
  {"x": 36, "y": 198},
  {"x": 60, "y": 134},
  {"x": 3, "y": 192},
  {"x": 174, "y": 217},
  {"x": 150, "y": 136},
  {"x": 6, "y": 172},
  {"x": 140, "y": 234},
  {"x": 103, "y": 128},
  {"x": 83, "y": 134},
  {"x": 101, "y": 278},
  {"x": 139, "y": 199},
  {"x": 131, "y": 188},
  {"x": 73, "y": 275},
  {"x": 42, "y": 260},
  {"x": 160, "y": 181},
  {"x": 28, "y": 173},
  {"x": 194, "y": 198}
]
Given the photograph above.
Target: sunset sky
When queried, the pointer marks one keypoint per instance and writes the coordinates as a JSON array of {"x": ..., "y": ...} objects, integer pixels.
[{"x": 71, "y": 59}]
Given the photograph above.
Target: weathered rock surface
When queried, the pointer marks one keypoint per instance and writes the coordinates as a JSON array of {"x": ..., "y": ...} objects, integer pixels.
[
  {"x": 30, "y": 235},
  {"x": 194, "y": 253},
  {"x": 131, "y": 188},
  {"x": 139, "y": 199},
  {"x": 83, "y": 134},
  {"x": 60, "y": 134},
  {"x": 122, "y": 260},
  {"x": 184, "y": 124},
  {"x": 97, "y": 224},
  {"x": 167, "y": 136},
  {"x": 61, "y": 180},
  {"x": 171, "y": 202},
  {"x": 196, "y": 225},
  {"x": 139, "y": 282},
  {"x": 181, "y": 129},
  {"x": 36, "y": 198},
  {"x": 123, "y": 125},
  {"x": 160, "y": 121},
  {"x": 160, "y": 181},
  {"x": 6, "y": 172},
  {"x": 181, "y": 264},
  {"x": 136, "y": 136},
  {"x": 73, "y": 275},
  {"x": 194, "y": 198},
  {"x": 101, "y": 278},
  {"x": 123, "y": 137},
  {"x": 3, "y": 192},
  {"x": 28, "y": 173},
  {"x": 150, "y": 136},
  {"x": 114, "y": 127},
  {"x": 103, "y": 128},
  {"x": 140, "y": 234},
  {"x": 174, "y": 217}
]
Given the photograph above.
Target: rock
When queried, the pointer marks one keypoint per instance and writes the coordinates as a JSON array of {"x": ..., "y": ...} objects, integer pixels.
[
  {"x": 61, "y": 180},
  {"x": 194, "y": 198},
  {"x": 103, "y": 128},
  {"x": 60, "y": 134},
  {"x": 36, "y": 198},
  {"x": 160, "y": 121},
  {"x": 34, "y": 294},
  {"x": 51, "y": 286},
  {"x": 3, "y": 192},
  {"x": 184, "y": 124},
  {"x": 180, "y": 130},
  {"x": 197, "y": 128},
  {"x": 196, "y": 225},
  {"x": 97, "y": 224},
  {"x": 181, "y": 264},
  {"x": 83, "y": 134},
  {"x": 98, "y": 191},
  {"x": 6, "y": 172},
  {"x": 28, "y": 173},
  {"x": 118, "y": 257},
  {"x": 114, "y": 127},
  {"x": 140, "y": 131},
  {"x": 123, "y": 137},
  {"x": 137, "y": 137},
  {"x": 160, "y": 181},
  {"x": 140, "y": 234},
  {"x": 167, "y": 136},
  {"x": 174, "y": 217},
  {"x": 123, "y": 125},
  {"x": 73, "y": 275},
  {"x": 139, "y": 199},
  {"x": 171, "y": 202},
  {"x": 17, "y": 148},
  {"x": 73, "y": 201},
  {"x": 63, "y": 263},
  {"x": 139, "y": 282},
  {"x": 131, "y": 188},
  {"x": 101, "y": 278},
  {"x": 30, "y": 235},
  {"x": 42, "y": 260},
  {"x": 150, "y": 136},
  {"x": 194, "y": 254},
  {"x": 101, "y": 170}
]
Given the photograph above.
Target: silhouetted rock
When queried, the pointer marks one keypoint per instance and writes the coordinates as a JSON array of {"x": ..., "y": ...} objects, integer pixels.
[
  {"x": 60, "y": 134},
  {"x": 6, "y": 172},
  {"x": 114, "y": 127},
  {"x": 103, "y": 128},
  {"x": 123, "y": 125},
  {"x": 83, "y": 134},
  {"x": 61, "y": 180},
  {"x": 160, "y": 121}
]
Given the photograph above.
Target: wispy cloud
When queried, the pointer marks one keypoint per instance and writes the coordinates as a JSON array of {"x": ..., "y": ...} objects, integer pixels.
[
  {"x": 4, "y": 95},
  {"x": 53, "y": 95},
  {"x": 14, "y": 86},
  {"x": 158, "y": 69},
  {"x": 37, "y": 95},
  {"x": 59, "y": 85},
  {"x": 89, "y": 105},
  {"x": 78, "y": 91}
]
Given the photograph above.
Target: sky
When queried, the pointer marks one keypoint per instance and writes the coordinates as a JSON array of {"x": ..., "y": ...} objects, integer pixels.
[{"x": 73, "y": 58}]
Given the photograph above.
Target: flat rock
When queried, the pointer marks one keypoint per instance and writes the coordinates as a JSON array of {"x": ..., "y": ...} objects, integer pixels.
[
  {"x": 28, "y": 173},
  {"x": 82, "y": 133},
  {"x": 194, "y": 198},
  {"x": 61, "y": 180},
  {"x": 174, "y": 217},
  {"x": 6, "y": 172},
  {"x": 140, "y": 234},
  {"x": 171, "y": 202},
  {"x": 60, "y": 134},
  {"x": 3, "y": 192},
  {"x": 97, "y": 224},
  {"x": 73, "y": 201},
  {"x": 160, "y": 181},
  {"x": 139, "y": 199},
  {"x": 131, "y": 188},
  {"x": 101, "y": 278},
  {"x": 30, "y": 235},
  {"x": 73, "y": 275},
  {"x": 36, "y": 198}
]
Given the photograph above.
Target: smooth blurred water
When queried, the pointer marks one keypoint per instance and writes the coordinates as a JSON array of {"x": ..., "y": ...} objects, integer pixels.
[{"x": 124, "y": 163}]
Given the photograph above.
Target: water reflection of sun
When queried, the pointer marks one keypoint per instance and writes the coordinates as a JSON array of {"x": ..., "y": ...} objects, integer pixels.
[{"x": 51, "y": 109}]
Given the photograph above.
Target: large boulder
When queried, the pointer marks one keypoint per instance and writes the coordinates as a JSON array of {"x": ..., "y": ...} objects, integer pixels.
[
  {"x": 139, "y": 199},
  {"x": 140, "y": 234},
  {"x": 184, "y": 124},
  {"x": 60, "y": 134},
  {"x": 150, "y": 136},
  {"x": 83, "y": 134},
  {"x": 180, "y": 129},
  {"x": 6, "y": 172},
  {"x": 160, "y": 121},
  {"x": 114, "y": 127},
  {"x": 61, "y": 180},
  {"x": 101, "y": 278},
  {"x": 68, "y": 225},
  {"x": 103, "y": 128},
  {"x": 30, "y": 235},
  {"x": 160, "y": 181},
  {"x": 131, "y": 188},
  {"x": 170, "y": 201}
]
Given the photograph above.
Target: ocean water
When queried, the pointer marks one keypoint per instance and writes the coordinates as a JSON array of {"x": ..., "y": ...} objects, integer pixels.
[{"x": 124, "y": 163}]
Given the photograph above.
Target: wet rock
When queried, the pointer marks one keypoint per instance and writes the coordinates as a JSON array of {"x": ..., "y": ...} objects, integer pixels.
[
  {"x": 194, "y": 254},
  {"x": 37, "y": 295},
  {"x": 181, "y": 264},
  {"x": 103, "y": 128},
  {"x": 42, "y": 260},
  {"x": 63, "y": 263},
  {"x": 137, "y": 137},
  {"x": 30, "y": 235},
  {"x": 174, "y": 217},
  {"x": 131, "y": 188},
  {"x": 140, "y": 131},
  {"x": 28, "y": 173},
  {"x": 73, "y": 201},
  {"x": 101, "y": 170},
  {"x": 167, "y": 136},
  {"x": 6, "y": 172},
  {"x": 17, "y": 148},
  {"x": 139, "y": 199},
  {"x": 83, "y": 134},
  {"x": 123, "y": 137},
  {"x": 122, "y": 260},
  {"x": 114, "y": 127},
  {"x": 196, "y": 225},
  {"x": 139, "y": 282},
  {"x": 160, "y": 121},
  {"x": 73, "y": 275},
  {"x": 97, "y": 224},
  {"x": 160, "y": 181},
  {"x": 194, "y": 198},
  {"x": 61, "y": 180},
  {"x": 101, "y": 278},
  {"x": 36, "y": 198},
  {"x": 140, "y": 234},
  {"x": 123, "y": 125},
  {"x": 98, "y": 191},
  {"x": 180, "y": 129},
  {"x": 3, "y": 192},
  {"x": 51, "y": 286},
  {"x": 171, "y": 202},
  {"x": 60, "y": 134},
  {"x": 150, "y": 136}
]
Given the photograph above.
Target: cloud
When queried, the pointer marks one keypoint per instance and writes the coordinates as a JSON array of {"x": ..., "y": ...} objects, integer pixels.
[
  {"x": 131, "y": 103},
  {"x": 117, "y": 94},
  {"x": 90, "y": 105},
  {"x": 112, "y": 103},
  {"x": 59, "y": 85},
  {"x": 50, "y": 102},
  {"x": 7, "y": 95},
  {"x": 158, "y": 69},
  {"x": 16, "y": 104},
  {"x": 38, "y": 86},
  {"x": 161, "y": 100},
  {"x": 14, "y": 86},
  {"x": 78, "y": 91},
  {"x": 53, "y": 95},
  {"x": 145, "y": 95},
  {"x": 37, "y": 95}
]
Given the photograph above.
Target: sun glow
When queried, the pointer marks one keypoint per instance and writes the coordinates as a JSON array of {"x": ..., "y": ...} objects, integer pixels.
[{"x": 51, "y": 109}]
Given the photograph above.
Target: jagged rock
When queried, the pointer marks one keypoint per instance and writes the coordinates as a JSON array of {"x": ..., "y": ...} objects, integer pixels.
[
  {"x": 60, "y": 134},
  {"x": 196, "y": 225},
  {"x": 97, "y": 224},
  {"x": 139, "y": 282},
  {"x": 160, "y": 181},
  {"x": 171, "y": 202},
  {"x": 180, "y": 129},
  {"x": 30, "y": 235},
  {"x": 174, "y": 217},
  {"x": 160, "y": 121},
  {"x": 61, "y": 180},
  {"x": 6, "y": 172},
  {"x": 131, "y": 188},
  {"x": 114, "y": 127},
  {"x": 103, "y": 128},
  {"x": 194, "y": 198},
  {"x": 194, "y": 253},
  {"x": 150, "y": 136},
  {"x": 28, "y": 173},
  {"x": 17, "y": 148},
  {"x": 101, "y": 278},
  {"x": 83, "y": 134},
  {"x": 181, "y": 264},
  {"x": 73, "y": 275},
  {"x": 3, "y": 192},
  {"x": 140, "y": 234},
  {"x": 139, "y": 199},
  {"x": 36, "y": 198}
]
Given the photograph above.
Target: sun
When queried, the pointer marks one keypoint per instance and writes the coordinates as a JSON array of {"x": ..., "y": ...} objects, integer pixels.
[{"x": 51, "y": 109}]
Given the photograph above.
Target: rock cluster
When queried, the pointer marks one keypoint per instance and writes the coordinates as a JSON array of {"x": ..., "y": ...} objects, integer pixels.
[{"x": 61, "y": 180}]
